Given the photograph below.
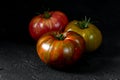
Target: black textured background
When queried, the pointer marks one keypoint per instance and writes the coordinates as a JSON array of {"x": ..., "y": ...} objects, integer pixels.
[{"x": 18, "y": 58}]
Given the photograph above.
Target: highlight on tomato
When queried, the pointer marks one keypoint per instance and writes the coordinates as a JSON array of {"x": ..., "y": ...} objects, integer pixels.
[
  {"x": 48, "y": 21},
  {"x": 89, "y": 31},
  {"x": 60, "y": 49}
]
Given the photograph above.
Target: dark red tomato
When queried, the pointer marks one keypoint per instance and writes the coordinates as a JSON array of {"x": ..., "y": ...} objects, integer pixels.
[
  {"x": 49, "y": 21},
  {"x": 60, "y": 49}
]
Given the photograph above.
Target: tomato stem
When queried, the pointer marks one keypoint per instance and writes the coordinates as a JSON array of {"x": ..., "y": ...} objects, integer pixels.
[
  {"x": 84, "y": 24},
  {"x": 47, "y": 14},
  {"x": 60, "y": 37}
]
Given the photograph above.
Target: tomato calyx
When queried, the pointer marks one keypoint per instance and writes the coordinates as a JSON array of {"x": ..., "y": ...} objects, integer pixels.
[
  {"x": 60, "y": 36},
  {"x": 83, "y": 24},
  {"x": 46, "y": 15}
]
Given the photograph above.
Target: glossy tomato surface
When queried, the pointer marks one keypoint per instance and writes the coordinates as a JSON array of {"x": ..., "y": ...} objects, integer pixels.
[
  {"x": 60, "y": 49},
  {"x": 90, "y": 32},
  {"x": 48, "y": 21}
]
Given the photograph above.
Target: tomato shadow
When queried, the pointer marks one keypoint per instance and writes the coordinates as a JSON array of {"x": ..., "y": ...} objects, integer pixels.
[
  {"x": 97, "y": 61},
  {"x": 87, "y": 64}
]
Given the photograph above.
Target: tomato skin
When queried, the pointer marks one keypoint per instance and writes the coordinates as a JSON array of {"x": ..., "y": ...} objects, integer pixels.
[
  {"x": 59, "y": 53},
  {"x": 40, "y": 25},
  {"x": 92, "y": 35}
]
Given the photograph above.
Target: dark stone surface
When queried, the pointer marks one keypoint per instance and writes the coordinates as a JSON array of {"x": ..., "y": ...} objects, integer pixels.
[{"x": 18, "y": 57}]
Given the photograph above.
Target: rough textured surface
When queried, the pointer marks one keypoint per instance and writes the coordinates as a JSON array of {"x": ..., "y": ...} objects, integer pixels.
[
  {"x": 20, "y": 62},
  {"x": 18, "y": 57}
]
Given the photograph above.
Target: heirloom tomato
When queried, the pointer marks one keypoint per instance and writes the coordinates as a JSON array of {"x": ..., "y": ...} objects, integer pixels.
[
  {"x": 48, "y": 21},
  {"x": 91, "y": 34},
  {"x": 60, "y": 49}
]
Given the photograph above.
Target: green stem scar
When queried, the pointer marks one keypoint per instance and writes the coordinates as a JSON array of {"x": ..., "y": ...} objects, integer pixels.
[
  {"x": 83, "y": 24},
  {"x": 60, "y": 37},
  {"x": 47, "y": 15}
]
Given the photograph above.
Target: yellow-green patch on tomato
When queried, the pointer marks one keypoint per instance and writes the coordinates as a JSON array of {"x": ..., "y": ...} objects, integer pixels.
[{"x": 91, "y": 34}]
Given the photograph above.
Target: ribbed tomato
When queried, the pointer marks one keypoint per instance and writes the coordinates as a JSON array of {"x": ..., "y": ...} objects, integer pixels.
[
  {"x": 60, "y": 49},
  {"x": 90, "y": 32},
  {"x": 49, "y": 21}
]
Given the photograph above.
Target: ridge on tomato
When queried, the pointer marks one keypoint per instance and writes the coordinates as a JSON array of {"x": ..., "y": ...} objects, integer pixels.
[
  {"x": 48, "y": 21},
  {"x": 91, "y": 34},
  {"x": 60, "y": 49}
]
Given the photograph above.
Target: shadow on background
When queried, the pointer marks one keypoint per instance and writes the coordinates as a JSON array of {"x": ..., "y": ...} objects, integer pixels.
[{"x": 101, "y": 60}]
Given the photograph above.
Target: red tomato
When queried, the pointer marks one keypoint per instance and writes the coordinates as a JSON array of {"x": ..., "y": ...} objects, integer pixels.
[
  {"x": 60, "y": 49},
  {"x": 49, "y": 21}
]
